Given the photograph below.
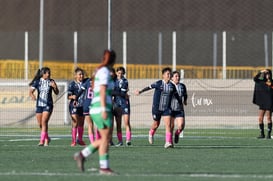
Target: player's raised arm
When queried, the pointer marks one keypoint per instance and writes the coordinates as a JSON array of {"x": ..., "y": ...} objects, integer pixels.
[{"x": 137, "y": 92}]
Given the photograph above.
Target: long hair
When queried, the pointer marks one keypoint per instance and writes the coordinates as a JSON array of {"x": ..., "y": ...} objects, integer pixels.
[
  {"x": 39, "y": 74},
  {"x": 109, "y": 59},
  {"x": 121, "y": 69}
]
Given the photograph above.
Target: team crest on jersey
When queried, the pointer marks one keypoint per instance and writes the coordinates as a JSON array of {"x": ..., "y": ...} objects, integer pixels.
[{"x": 74, "y": 110}]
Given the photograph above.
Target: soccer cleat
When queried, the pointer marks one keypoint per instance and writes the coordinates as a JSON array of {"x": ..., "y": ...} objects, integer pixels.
[
  {"x": 119, "y": 144},
  {"x": 176, "y": 138},
  {"x": 82, "y": 143},
  {"x": 80, "y": 160},
  {"x": 261, "y": 136},
  {"x": 41, "y": 144},
  {"x": 47, "y": 141},
  {"x": 111, "y": 143},
  {"x": 73, "y": 144},
  {"x": 151, "y": 139},
  {"x": 128, "y": 143},
  {"x": 168, "y": 145},
  {"x": 107, "y": 171}
]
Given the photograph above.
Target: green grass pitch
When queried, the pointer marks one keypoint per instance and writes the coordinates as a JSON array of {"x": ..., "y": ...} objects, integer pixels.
[{"x": 230, "y": 154}]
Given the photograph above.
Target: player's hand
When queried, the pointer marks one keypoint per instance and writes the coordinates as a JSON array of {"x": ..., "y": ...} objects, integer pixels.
[
  {"x": 53, "y": 84},
  {"x": 73, "y": 97},
  {"x": 75, "y": 103},
  {"x": 104, "y": 114},
  {"x": 127, "y": 96},
  {"x": 33, "y": 98},
  {"x": 137, "y": 92}
]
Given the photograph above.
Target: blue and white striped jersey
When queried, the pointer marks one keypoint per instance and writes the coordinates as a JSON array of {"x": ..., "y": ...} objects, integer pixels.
[
  {"x": 44, "y": 89},
  {"x": 121, "y": 88},
  {"x": 182, "y": 92},
  {"x": 73, "y": 89},
  {"x": 163, "y": 94}
]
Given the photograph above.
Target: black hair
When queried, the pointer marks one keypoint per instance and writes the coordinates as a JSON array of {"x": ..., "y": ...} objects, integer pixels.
[
  {"x": 176, "y": 72},
  {"x": 166, "y": 69},
  {"x": 113, "y": 73},
  {"x": 39, "y": 74},
  {"x": 121, "y": 69},
  {"x": 78, "y": 69}
]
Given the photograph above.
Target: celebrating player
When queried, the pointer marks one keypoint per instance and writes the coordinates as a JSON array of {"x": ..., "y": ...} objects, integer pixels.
[
  {"x": 76, "y": 108},
  {"x": 164, "y": 91},
  {"x": 122, "y": 106},
  {"x": 86, "y": 89},
  {"x": 44, "y": 101},
  {"x": 178, "y": 113}
]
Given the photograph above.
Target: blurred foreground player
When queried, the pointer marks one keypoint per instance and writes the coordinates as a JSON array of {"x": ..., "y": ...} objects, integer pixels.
[{"x": 101, "y": 113}]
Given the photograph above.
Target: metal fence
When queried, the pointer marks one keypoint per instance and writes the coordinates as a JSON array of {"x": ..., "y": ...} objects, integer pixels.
[
  {"x": 150, "y": 25},
  {"x": 207, "y": 39}
]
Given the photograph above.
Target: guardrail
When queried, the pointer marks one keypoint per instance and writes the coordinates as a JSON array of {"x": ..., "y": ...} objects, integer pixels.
[{"x": 15, "y": 69}]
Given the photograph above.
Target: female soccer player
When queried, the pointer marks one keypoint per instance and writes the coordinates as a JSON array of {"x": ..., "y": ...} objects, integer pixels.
[
  {"x": 101, "y": 113},
  {"x": 178, "y": 113},
  {"x": 86, "y": 90},
  {"x": 44, "y": 101},
  {"x": 76, "y": 108},
  {"x": 122, "y": 106},
  {"x": 164, "y": 91},
  {"x": 263, "y": 97}
]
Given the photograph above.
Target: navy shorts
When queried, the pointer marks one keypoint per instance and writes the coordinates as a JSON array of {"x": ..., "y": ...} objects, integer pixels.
[
  {"x": 76, "y": 110},
  {"x": 125, "y": 109},
  {"x": 86, "y": 110},
  {"x": 40, "y": 109},
  {"x": 178, "y": 114},
  {"x": 158, "y": 114}
]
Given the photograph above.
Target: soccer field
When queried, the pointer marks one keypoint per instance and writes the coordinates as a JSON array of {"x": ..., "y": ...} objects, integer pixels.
[{"x": 200, "y": 155}]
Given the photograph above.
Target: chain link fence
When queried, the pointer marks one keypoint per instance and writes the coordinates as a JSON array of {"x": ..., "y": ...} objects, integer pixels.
[
  {"x": 145, "y": 32},
  {"x": 199, "y": 26}
]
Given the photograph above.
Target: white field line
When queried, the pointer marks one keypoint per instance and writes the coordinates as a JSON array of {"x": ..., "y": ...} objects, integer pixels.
[
  {"x": 190, "y": 175},
  {"x": 25, "y": 139}
]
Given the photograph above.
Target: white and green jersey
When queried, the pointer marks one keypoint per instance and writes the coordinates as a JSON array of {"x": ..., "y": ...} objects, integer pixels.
[{"x": 102, "y": 77}]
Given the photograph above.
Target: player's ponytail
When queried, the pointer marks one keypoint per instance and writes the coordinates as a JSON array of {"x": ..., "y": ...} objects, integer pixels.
[
  {"x": 109, "y": 58},
  {"x": 36, "y": 77}
]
